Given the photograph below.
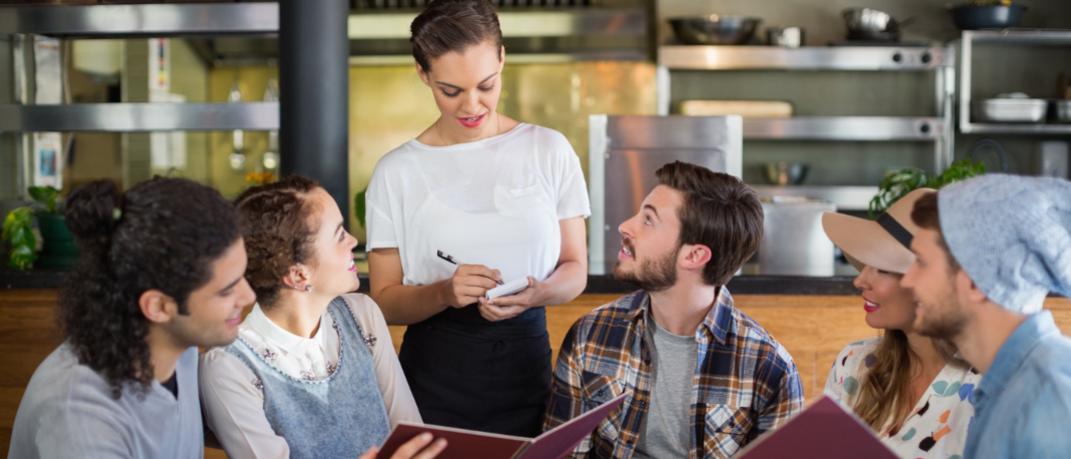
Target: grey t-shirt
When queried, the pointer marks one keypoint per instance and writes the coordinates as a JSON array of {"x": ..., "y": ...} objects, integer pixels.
[
  {"x": 665, "y": 431},
  {"x": 68, "y": 412}
]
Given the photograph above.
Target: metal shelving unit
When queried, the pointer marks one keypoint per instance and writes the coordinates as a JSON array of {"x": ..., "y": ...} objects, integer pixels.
[
  {"x": 937, "y": 129},
  {"x": 145, "y": 20},
  {"x": 844, "y": 197},
  {"x": 1008, "y": 37},
  {"x": 846, "y": 128},
  {"x": 139, "y": 117},
  {"x": 113, "y": 21},
  {"x": 862, "y": 58}
]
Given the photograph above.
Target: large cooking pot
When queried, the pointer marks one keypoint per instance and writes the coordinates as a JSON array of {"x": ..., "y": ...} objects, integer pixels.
[{"x": 714, "y": 29}]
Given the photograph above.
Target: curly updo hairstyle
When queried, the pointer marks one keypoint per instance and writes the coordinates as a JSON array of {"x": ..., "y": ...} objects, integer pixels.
[
  {"x": 452, "y": 25},
  {"x": 162, "y": 234},
  {"x": 274, "y": 222}
]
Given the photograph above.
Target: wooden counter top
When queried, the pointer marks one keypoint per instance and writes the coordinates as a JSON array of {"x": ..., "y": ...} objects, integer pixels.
[{"x": 813, "y": 328}]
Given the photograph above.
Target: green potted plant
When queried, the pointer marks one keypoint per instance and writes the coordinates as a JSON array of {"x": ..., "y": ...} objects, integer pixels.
[
  {"x": 52, "y": 238},
  {"x": 898, "y": 183}
]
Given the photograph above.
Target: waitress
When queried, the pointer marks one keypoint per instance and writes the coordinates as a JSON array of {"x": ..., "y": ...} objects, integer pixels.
[{"x": 502, "y": 200}]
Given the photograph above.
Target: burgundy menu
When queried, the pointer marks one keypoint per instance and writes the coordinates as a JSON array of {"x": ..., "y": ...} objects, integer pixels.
[
  {"x": 824, "y": 430},
  {"x": 465, "y": 444}
]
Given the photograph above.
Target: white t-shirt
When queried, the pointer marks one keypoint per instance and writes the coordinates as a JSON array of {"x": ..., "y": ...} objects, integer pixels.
[
  {"x": 234, "y": 401},
  {"x": 68, "y": 412},
  {"x": 495, "y": 202}
]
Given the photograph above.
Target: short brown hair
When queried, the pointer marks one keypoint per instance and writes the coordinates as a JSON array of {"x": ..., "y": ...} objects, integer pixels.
[
  {"x": 274, "y": 222},
  {"x": 720, "y": 212},
  {"x": 452, "y": 25},
  {"x": 925, "y": 214}
]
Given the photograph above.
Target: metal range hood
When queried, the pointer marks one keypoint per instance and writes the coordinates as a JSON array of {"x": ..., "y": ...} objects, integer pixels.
[{"x": 533, "y": 31}]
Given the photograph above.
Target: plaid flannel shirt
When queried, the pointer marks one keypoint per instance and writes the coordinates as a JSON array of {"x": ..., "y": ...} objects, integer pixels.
[{"x": 745, "y": 382}]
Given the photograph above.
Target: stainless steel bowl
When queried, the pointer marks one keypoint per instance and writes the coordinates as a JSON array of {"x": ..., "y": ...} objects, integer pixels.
[
  {"x": 714, "y": 29},
  {"x": 870, "y": 24},
  {"x": 785, "y": 172}
]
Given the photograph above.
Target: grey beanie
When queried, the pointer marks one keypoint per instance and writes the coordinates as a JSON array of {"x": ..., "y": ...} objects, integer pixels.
[{"x": 1012, "y": 235}]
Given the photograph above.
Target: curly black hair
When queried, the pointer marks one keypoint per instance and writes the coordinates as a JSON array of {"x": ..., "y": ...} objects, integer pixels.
[
  {"x": 274, "y": 222},
  {"x": 162, "y": 234}
]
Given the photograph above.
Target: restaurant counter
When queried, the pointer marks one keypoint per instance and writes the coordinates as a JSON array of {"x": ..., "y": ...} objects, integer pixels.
[{"x": 597, "y": 284}]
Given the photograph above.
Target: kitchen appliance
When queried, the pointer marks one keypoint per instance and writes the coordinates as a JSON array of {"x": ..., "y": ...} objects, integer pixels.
[
  {"x": 973, "y": 17},
  {"x": 868, "y": 24},
  {"x": 625, "y": 152},
  {"x": 714, "y": 29},
  {"x": 1054, "y": 159},
  {"x": 1014, "y": 108},
  {"x": 787, "y": 37},
  {"x": 793, "y": 241},
  {"x": 744, "y": 108}
]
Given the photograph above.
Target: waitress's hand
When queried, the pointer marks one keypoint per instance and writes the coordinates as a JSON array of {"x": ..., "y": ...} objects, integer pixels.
[
  {"x": 508, "y": 307},
  {"x": 420, "y": 447},
  {"x": 469, "y": 283}
]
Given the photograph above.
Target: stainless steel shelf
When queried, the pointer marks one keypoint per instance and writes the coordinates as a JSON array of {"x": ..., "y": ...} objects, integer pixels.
[
  {"x": 141, "y": 20},
  {"x": 541, "y": 23},
  {"x": 967, "y": 41},
  {"x": 263, "y": 18},
  {"x": 1020, "y": 36},
  {"x": 1023, "y": 129},
  {"x": 845, "y": 128},
  {"x": 844, "y": 197},
  {"x": 140, "y": 117},
  {"x": 873, "y": 58}
]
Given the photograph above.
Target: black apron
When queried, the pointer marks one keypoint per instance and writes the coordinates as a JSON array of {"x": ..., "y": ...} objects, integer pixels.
[{"x": 470, "y": 373}]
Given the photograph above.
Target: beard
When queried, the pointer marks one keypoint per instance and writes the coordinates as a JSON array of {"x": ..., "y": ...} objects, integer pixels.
[
  {"x": 653, "y": 275},
  {"x": 945, "y": 323}
]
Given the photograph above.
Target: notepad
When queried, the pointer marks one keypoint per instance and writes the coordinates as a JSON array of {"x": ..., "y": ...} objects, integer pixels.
[
  {"x": 508, "y": 288},
  {"x": 467, "y": 444},
  {"x": 826, "y": 430}
]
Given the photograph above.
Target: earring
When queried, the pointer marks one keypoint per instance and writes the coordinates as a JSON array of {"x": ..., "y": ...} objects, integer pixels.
[{"x": 308, "y": 288}]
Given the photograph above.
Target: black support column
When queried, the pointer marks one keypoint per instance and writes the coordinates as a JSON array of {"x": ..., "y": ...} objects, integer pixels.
[{"x": 314, "y": 94}]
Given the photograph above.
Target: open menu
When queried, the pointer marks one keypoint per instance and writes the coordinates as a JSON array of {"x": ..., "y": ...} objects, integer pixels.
[
  {"x": 465, "y": 444},
  {"x": 825, "y": 430}
]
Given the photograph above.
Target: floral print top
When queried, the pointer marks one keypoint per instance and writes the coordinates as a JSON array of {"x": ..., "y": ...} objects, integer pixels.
[{"x": 937, "y": 425}]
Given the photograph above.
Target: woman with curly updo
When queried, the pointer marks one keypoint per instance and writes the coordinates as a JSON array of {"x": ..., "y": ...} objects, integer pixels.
[
  {"x": 160, "y": 273},
  {"x": 313, "y": 372}
]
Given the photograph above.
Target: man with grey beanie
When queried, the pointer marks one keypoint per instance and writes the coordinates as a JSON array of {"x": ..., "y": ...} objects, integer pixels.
[{"x": 989, "y": 251}]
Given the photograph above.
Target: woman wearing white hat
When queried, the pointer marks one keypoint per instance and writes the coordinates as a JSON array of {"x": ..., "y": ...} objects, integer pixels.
[{"x": 909, "y": 388}]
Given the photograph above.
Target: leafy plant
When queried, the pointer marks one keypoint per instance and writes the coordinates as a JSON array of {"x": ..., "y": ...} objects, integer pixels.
[
  {"x": 18, "y": 231},
  {"x": 20, "y": 238},
  {"x": 47, "y": 196},
  {"x": 899, "y": 183}
]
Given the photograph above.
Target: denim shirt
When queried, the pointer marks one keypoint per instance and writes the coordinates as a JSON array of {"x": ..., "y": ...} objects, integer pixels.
[{"x": 1023, "y": 403}]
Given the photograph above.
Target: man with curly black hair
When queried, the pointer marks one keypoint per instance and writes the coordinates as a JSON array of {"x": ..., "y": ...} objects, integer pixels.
[{"x": 160, "y": 273}]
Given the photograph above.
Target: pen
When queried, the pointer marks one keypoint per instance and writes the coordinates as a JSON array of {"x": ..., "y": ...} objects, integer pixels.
[{"x": 451, "y": 260}]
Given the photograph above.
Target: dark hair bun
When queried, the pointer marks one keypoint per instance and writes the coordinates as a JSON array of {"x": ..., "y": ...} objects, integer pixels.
[{"x": 91, "y": 211}]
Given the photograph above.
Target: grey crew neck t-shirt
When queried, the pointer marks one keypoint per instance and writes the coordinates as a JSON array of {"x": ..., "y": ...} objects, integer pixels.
[
  {"x": 665, "y": 431},
  {"x": 68, "y": 412}
]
